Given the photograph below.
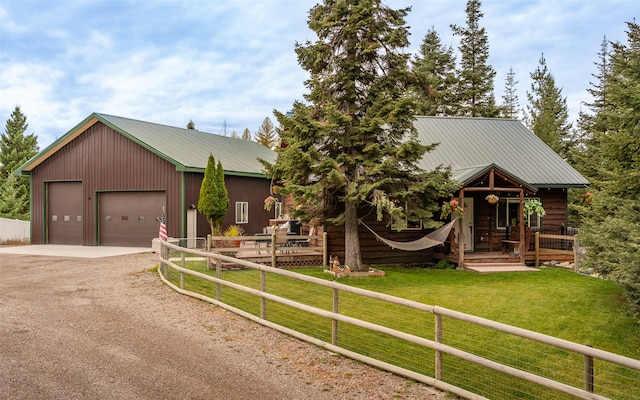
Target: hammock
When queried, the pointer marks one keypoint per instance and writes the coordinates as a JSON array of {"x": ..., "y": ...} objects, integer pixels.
[{"x": 433, "y": 239}]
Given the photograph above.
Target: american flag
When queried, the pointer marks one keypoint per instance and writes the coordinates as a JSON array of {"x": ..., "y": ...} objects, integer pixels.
[{"x": 163, "y": 228}]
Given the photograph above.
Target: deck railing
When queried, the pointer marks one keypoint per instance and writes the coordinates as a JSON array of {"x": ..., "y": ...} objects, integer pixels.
[
  {"x": 469, "y": 356},
  {"x": 289, "y": 248},
  {"x": 563, "y": 244}
]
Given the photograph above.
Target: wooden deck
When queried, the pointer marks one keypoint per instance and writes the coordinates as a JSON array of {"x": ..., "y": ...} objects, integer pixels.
[{"x": 286, "y": 256}]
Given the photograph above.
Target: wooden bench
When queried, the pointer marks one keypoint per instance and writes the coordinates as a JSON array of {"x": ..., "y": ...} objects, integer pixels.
[{"x": 508, "y": 245}]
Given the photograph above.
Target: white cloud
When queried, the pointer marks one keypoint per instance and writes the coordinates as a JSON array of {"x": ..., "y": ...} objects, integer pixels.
[{"x": 172, "y": 61}]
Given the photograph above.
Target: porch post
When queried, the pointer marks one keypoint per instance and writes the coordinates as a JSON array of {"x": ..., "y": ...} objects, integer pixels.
[
  {"x": 522, "y": 235},
  {"x": 461, "y": 233}
]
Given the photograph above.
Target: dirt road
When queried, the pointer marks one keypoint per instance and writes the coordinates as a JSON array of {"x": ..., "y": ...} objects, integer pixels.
[{"x": 107, "y": 328}]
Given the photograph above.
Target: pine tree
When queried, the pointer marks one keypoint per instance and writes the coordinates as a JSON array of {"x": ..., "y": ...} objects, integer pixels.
[
  {"x": 611, "y": 229},
  {"x": 352, "y": 146},
  {"x": 548, "y": 115},
  {"x": 16, "y": 148},
  {"x": 510, "y": 104},
  {"x": 246, "y": 135},
  {"x": 11, "y": 201},
  {"x": 213, "y": 202},
  {"x": 267, "y": 135},
  {"x": 435, "y": 73},
  {"x": 191, "y": 125},
  {"x": 475, "y": 88}
]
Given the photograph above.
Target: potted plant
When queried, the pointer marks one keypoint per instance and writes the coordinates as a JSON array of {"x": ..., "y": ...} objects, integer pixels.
[
  {"x": 451, "y": 206},
  {"x": 234, "y": 231},
  {"x": 533, "y": 207},
  {"x": 269, "y": 202},
  {"x": 492, "y": 198}
]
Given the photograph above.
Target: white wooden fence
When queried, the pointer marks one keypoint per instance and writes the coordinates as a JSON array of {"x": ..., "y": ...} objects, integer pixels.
[{"x": 14, "y": 229}]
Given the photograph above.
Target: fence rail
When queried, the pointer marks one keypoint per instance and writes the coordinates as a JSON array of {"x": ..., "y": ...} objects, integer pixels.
[{"x": 392, "y": 333}]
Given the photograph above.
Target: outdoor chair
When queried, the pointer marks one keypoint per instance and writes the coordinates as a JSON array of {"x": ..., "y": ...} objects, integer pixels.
[{"x": 306, "y": 242}]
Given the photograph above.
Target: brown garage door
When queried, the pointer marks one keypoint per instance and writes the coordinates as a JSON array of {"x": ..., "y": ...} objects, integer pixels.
[
  {"x": 64, "y": 213},
  {"x": 129, "y": 218}
]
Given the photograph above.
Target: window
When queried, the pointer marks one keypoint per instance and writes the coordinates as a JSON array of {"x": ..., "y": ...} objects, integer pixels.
[
  {"x": 507, "y": 212},
  {"x": 403, "y": 224},
  {"x": 242, "y": 212},
  {"x": 278, "y": 209}
]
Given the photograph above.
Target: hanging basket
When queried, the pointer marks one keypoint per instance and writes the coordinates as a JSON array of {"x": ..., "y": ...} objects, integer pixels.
[{"x": 492, "y": 199}]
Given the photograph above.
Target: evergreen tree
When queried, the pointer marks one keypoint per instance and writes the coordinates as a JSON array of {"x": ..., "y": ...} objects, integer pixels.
[
  {"x": 591, "y": 126},
  {"x": 611, "y": 229},
  {"x": 548, "y": 115},
  {"x": 11, "y": 201},
  {"x": 510, "y": 104},
  {"x": 267, "y": 135},
  {"x": 213, "y": 202},
  {"x": 353, "y": 145},
  {"x": 191, "y": 125},
  {"x": 475, "y": 88},
  {"x": 435, "y": 73},
  {"x": 16, "y": 148},
  {"x": 593, "y": 122},
  {"x": 246, "y": 135}
]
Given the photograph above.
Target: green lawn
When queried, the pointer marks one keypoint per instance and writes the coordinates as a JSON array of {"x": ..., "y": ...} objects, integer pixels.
[
  {"x": 556, "y": 302},
  {"x": 553, "y": 301}
]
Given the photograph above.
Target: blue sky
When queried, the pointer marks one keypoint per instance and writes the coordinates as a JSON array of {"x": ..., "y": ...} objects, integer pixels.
[{"x": 233, "y": 62}]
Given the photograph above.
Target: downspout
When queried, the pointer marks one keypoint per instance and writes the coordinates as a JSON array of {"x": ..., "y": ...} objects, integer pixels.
[{"x": 183, "y": 205}]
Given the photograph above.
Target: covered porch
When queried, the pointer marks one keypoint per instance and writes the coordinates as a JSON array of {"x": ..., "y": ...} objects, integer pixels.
[{"x": 494, "y": 234}]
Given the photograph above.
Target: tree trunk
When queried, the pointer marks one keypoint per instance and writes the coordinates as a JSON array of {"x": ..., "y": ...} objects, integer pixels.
[{"x": 352, "y": 256}]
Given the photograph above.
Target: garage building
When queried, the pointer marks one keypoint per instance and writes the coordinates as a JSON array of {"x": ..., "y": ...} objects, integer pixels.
[{"x": 107, "y": 181}]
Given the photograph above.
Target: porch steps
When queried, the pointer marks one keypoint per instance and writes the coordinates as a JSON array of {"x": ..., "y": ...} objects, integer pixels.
[{"x": 485, "y": 267}]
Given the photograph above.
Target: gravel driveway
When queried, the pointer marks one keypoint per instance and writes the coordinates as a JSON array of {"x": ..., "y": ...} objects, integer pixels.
[{"x": 107, "y": 328}]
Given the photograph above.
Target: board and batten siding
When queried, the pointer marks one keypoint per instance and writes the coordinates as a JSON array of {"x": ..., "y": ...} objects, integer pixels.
[
  {"x": 104, "y": 160},
  {"x": 239, "y": 189}
]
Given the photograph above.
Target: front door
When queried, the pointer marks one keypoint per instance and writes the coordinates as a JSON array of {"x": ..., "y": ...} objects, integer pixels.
[
  {"x": 467, "y": 222},
  {"x": 467, "y": 225}
]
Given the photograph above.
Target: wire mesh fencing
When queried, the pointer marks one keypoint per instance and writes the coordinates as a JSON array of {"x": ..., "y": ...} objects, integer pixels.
[{"x": 466, "y": 355}]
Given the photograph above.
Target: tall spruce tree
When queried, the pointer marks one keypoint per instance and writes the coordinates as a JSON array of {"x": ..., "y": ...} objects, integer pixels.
[
  {"x": 16, "y": 148},
  {"x": 611, "y": 228},
  {"x": 435, "y": 73},
  {"x": 213, "y": 202},
  {"x": 353, "y": 146},
  {"x": 246, "y": 134},
  {"x": 510, "y": 104},
  {"x": 548, "y": 115},
  {"x": 266, "y": 134},
  {"x": 475, "y": 76}
]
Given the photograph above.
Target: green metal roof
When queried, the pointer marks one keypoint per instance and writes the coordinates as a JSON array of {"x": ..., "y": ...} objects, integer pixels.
[
  {"x": 187, "y": 149},
  {"x": 469, "y": 145}
]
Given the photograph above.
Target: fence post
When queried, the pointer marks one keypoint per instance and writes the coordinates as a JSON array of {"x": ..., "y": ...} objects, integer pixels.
[
  {"x": 263, "y": 288},
  {"x": 575, "y": 253},
  {"x": 209, "y": 243},
  {"x": 438, "y": 333},
  {"x": 325, "y": 260},
  {"x": 182, "y": 264},
  {"x": 334, "y": 322},
  {"x": 273, "y": 250},
  {"x": 218, "y": 275},
  {"x": 537, "y": 246},
  {"x": 588, "y": 373}
]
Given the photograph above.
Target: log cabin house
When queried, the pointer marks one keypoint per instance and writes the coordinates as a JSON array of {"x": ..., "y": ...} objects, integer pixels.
[{"x": 486, "y": 156}]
